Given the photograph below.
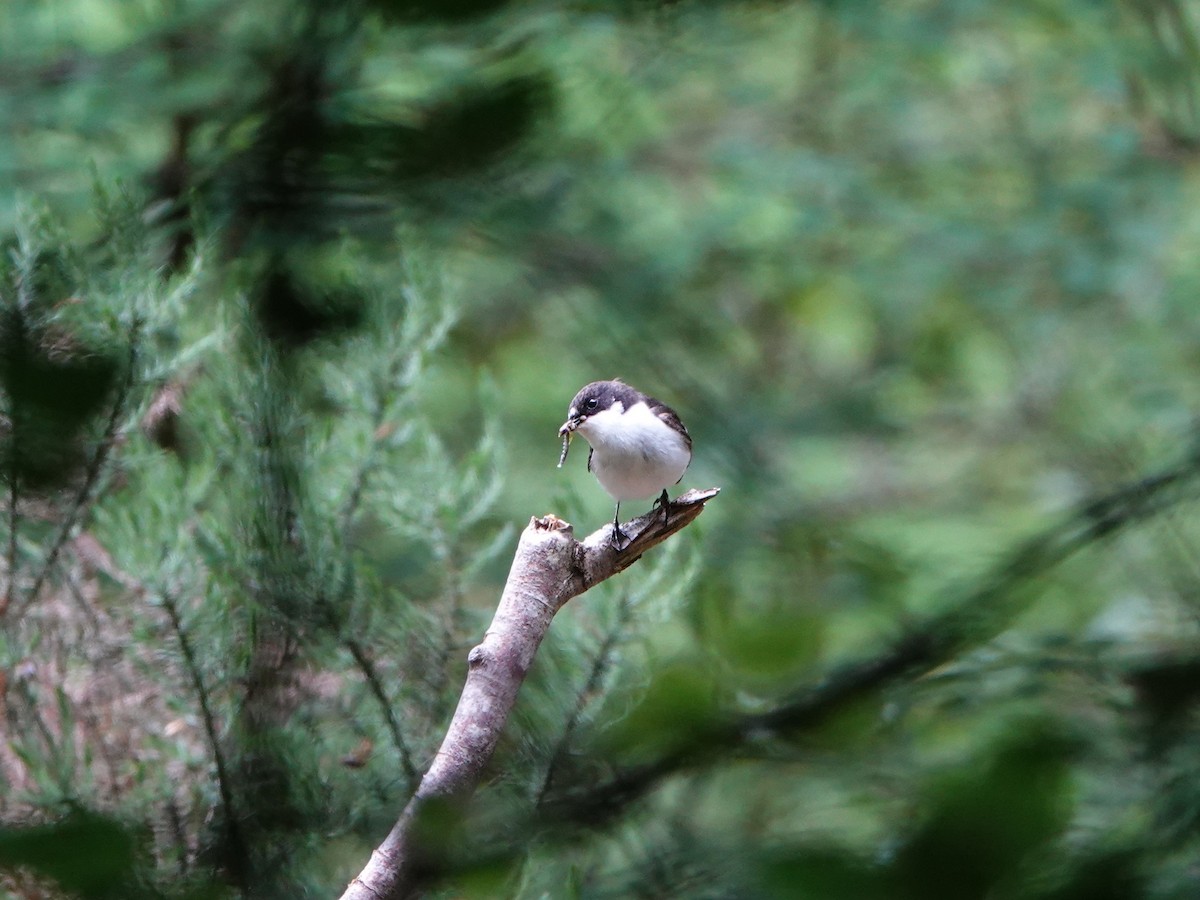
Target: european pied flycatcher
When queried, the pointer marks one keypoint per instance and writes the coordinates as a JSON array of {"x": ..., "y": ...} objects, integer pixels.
[{"x": 638, "y": 445}]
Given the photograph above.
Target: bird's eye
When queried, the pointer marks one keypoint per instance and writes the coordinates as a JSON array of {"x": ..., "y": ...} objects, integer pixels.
[{"x": 592, "y": 403}]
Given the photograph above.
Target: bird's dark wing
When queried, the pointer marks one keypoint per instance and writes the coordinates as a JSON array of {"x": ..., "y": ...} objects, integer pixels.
[
  {"x": 590, "y": 452},
  {"x": 669, "y": 416}
]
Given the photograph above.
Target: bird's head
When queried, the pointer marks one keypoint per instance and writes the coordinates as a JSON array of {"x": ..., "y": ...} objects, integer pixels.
[{"x": 595, "y": 398}]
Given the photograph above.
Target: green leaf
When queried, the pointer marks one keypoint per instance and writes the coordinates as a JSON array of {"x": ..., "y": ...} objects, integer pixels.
[
  {"x": 986, "y": 820},
  {"x": 675, "y": 712},
  {"x": 816, "y": 873},
  {"x": 85, "y": 853}
]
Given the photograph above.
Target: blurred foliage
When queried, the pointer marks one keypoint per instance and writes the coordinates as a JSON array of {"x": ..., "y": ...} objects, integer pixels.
[
  {"x": 98, "y": 863},
  {"x": 293, "y": 296}
]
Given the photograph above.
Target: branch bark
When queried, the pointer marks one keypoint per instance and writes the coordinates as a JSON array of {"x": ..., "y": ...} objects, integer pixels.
[{"x": 549, "y": 568}]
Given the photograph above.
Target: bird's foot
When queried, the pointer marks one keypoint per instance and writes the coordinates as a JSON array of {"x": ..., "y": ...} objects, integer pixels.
[
  {"x": 618, "y": 536},
  {"x": 664, "y": 503}
]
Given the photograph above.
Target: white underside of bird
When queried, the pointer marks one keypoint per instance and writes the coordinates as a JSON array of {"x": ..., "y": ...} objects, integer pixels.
[{"x": 635, "y": 455}]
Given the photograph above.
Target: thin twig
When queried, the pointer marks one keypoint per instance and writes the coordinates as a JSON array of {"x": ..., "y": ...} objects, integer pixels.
[
  {"x": 450, "y": 616},
  {"x": 358, "y": 483},
  {"x": 369, "y": 462},
  {"x": 362, "y": 660},
  {"x": 76, "y": 592},
  {"x": 98, "y": 737},
  {"x": 13, "y": 520},
  {"x": 375, "y": 683},
  {"x": 179, "y": 839},
  {"x": 91, "y": 475},
  {"x": 600, "y": 665},
  {"x": 224, "y": 782},
  {"x": 53, "y": 748}
]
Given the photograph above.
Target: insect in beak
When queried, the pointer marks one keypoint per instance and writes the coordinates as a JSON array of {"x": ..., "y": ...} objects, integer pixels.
[{"x": 566, "y": 433}]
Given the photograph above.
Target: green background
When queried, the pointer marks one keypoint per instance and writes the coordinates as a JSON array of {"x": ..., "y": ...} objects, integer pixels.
[{"x": 920, "y": 278}]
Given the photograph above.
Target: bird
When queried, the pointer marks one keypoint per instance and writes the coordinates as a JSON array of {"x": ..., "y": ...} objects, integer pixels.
[{"x": 638, "y": 445}]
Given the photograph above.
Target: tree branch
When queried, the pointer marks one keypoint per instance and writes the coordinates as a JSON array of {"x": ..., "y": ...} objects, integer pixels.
[{"x": 549, "y": 568}]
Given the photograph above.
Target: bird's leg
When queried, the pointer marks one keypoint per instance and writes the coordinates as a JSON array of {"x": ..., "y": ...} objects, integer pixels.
[
  {"x": 618, "y": 534},
  {"x": 665, "y": 502}
]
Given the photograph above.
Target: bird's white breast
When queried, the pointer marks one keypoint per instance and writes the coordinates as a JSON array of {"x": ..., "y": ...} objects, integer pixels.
[{"x": 635, "y": 454}]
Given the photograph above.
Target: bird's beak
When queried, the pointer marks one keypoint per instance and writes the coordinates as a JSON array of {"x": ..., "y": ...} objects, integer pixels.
[{"x": 569, "y": 426}]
